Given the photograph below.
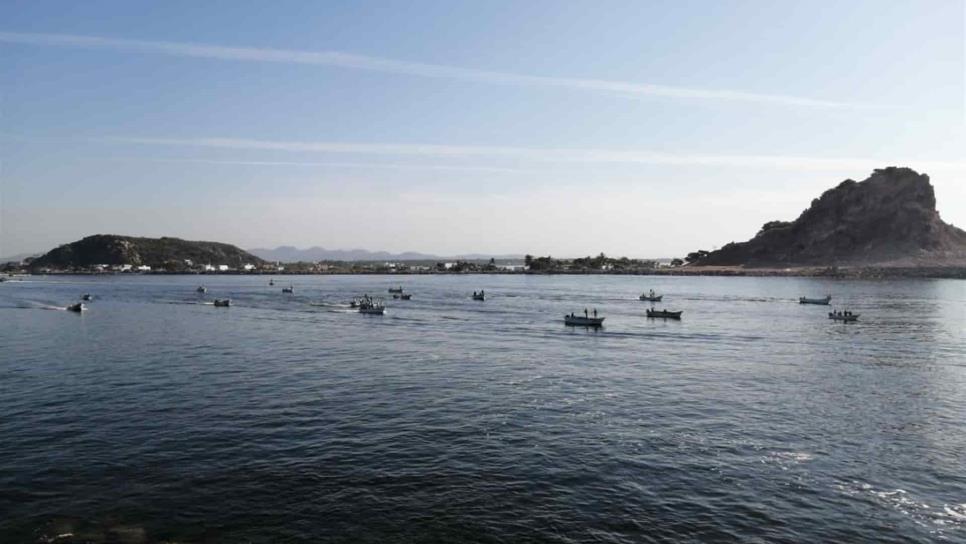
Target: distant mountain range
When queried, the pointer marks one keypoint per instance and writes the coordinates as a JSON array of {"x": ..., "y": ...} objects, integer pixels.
[{"x": 294, "y": 254}]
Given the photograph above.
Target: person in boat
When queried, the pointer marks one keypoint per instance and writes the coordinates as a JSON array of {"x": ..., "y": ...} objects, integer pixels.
[
  {"x": 585, "y": 313},
  {"x": 595, "y": 313},
  {"x": 481, "y": 292}
]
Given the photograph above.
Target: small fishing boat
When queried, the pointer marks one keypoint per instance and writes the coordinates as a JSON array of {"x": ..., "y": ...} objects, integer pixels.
[
  {"x": 271, "y": 282},
  {"x": 664, "y": 314},
  {"x": 651, "y": 298},
  {"x": 405, "y": 296},
  {"x": 88, "y": 297},
  {"x": 821, "y": 301},
  {"x": 479, "y": 296},
  {"x": 396, "y": 289},
  {"x": 79, "y": 307},
  {"x": 202, "y": 289},
  {"x": 289, "y": 289},
  {"x": 847, "y": 317},
  {"x": 368, "y": 305},
  {"x": 583, "y": 321},
  {"x": 222, "y": 303},
  {"x": 354, "y": 304}
]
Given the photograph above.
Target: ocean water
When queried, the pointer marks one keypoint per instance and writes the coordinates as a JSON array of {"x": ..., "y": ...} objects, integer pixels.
[{"x": 156, "y": 417}]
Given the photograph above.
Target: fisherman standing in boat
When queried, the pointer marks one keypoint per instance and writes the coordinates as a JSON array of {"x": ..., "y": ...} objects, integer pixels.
[
  {"x": 595, "y": 313},
  {"x": 585, "y": 313}
]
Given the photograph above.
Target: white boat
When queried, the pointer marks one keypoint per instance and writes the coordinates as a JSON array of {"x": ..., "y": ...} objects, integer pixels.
[
  {"x": 79, "y": 307},
  {"x": 847, "y": 317},
  {"x": 223, "y": 303},
  {"x": 582, "y": 321},
  {"x": 664, "y": 314},
  {"x": 821, "y": 301}
]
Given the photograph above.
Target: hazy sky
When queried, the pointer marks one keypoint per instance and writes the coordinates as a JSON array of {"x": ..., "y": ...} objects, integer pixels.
[{"x": 549, "y": 127}]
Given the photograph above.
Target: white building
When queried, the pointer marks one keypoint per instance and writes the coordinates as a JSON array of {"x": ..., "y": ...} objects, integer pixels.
[{"x": 223, "y": 268}]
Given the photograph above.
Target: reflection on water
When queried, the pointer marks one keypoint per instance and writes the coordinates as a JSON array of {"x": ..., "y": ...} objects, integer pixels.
[{"x": 156, "y": 416}]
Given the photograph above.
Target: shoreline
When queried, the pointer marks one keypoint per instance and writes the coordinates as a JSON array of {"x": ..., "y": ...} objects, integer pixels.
[{"x": 863, "y": 272}]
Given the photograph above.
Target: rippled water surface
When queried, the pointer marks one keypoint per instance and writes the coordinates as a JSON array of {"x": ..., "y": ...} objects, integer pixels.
[{"x": 155, "y": 416}]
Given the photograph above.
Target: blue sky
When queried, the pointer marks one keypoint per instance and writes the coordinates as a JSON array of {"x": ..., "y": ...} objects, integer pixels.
[{"x": 568, "y": 128}]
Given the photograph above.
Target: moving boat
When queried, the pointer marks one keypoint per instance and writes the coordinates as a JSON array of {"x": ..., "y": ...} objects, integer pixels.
[
  {"x": 79, "y": 307},
  {"x": 651, "y": 297},
  {"x": 367, "y": 305},
  {"x": 479, "y": 296},
  {"x": 821, "y": 301},
  {"x": 202, "y": 289},
  {"x": 271, "y": 282},
  {"x": 88, "y": 297},
  {"x": 583, "y": 321},
  {"x": 664, "y": 314},
  {"x": 847, "y": 317},
  {"x": 289, "y": 289},
  {"x": 223, "y": 303},
  {"x": 396, "y": 289},
  {"x": 405, "y": 296}
]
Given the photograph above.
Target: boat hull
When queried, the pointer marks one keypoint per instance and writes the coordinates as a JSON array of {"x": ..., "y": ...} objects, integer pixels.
[
  {"x": 578, "y": 321},
  {"x": 658, "y": 298},
  {"x": 819, "y": 301},
  {"x": 844, "y": 318},
  {"x": 664, "y": 315}
]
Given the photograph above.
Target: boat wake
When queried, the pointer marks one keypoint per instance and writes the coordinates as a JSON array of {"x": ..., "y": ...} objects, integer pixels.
[
  {"x": 33, "y": 305},
  {"x": 940, "y": 519}
]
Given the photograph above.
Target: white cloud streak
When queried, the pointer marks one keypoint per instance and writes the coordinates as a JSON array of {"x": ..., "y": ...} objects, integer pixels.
[
  {"x": 551, "y": 155},
  {"x": 321, "y": 164},
  {"x": 384, "y": 65}
]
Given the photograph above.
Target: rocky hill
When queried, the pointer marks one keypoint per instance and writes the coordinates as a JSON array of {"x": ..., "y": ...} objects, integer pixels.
[
  {"x": 890, "y": 217},
  {"x": 111, "y": 249}
]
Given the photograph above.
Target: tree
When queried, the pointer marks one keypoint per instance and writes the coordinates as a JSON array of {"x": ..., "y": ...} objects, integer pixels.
[{"x": 695, "y": 256}]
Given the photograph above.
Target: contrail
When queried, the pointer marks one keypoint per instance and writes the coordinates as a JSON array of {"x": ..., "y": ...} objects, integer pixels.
[{"x": 439, "y": 71}]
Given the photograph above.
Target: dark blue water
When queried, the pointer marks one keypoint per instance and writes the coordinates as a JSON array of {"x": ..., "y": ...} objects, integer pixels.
[{"x": 289, "y": 418}]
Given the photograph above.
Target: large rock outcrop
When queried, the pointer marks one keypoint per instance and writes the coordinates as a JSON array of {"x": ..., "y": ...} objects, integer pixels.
[
  {"x": 890, "y": 217},
  {"x": 111, "y": 249}
]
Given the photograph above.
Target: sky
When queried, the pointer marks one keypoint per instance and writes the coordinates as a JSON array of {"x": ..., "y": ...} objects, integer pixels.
[{"x": 637, "y": 128}]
